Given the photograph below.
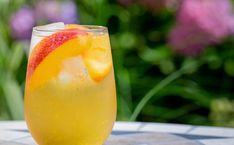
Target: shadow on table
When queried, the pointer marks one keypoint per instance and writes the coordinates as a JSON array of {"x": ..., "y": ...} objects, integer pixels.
[
  {"x": 146, "y": 138},
  {"x": 187, "y": 136}
]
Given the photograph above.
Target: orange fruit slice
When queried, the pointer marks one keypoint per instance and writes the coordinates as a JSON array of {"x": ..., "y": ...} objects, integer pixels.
[
  {"x": 47, "y": 57},
  {"x": 97, "y": 58},
  {"x": 45, "y": 47}
]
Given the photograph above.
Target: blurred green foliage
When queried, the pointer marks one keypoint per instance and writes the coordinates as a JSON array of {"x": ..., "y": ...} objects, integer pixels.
[
  {"x": 153, "y": 83},
  {"x": 12, "y": 68}
]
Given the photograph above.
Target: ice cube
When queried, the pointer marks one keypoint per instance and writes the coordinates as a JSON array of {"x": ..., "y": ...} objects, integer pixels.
[
  {"x": 52, "y": 26},
  {"x": 65, "y": 77},
  {"x": 76, "y": 67}
]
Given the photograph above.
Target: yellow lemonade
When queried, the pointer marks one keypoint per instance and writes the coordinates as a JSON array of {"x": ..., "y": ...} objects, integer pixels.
[{"x": 70, "y": 96}]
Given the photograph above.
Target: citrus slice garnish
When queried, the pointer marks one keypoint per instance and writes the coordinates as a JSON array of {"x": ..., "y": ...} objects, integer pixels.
[
  {"x": 97, "y": 58},
  {"x": 47, "y": 56}
]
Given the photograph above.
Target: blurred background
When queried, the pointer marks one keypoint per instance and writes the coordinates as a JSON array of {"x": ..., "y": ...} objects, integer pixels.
[{"x": 173, "y": 59}]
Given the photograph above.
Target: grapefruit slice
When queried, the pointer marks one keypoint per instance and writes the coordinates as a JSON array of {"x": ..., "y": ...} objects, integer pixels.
[
  {"x": 47, "y": 56},
  {"x": 46, "y": 46}
]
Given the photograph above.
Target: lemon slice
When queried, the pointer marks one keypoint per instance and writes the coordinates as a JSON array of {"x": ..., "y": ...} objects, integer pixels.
[{"x": 98, "y": 58}]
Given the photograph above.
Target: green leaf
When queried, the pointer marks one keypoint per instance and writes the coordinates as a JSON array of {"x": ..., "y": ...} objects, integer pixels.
[
  {"x": 191, "y": 64},
  {"x": 162, "y": 84},
  {"x": 155, "y": 55},
  {"x": 124, "y": 95},
  {"x": 127, "y": 40},
  {"x": 17, "y": 54},
  {"x": 145, "y": 99},
  {"x": 14, "y": 98},
  {"x": 229, "y": 67},
  {"x": 188, "y": 92},
  {"x": 3, "y": 47},
  {"x": 166, "y": 66}
]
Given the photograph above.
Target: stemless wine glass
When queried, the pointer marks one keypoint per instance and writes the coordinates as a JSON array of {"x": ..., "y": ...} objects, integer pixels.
[{"x": 70, "y": 96}]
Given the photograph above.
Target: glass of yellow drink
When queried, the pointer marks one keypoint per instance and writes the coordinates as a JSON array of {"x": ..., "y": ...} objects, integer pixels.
[{"x": 70, "y": 96}]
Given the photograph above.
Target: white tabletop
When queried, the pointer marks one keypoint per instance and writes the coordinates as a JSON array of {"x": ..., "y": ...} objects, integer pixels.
[{"x": 16, "y": 132}]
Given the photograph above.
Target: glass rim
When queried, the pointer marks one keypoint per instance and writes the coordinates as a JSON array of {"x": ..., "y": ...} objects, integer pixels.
[{"x": 91, "y": 28}]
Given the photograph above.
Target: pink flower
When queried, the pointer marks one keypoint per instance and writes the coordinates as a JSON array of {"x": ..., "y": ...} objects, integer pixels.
[
  {"x": 201, "y": 23},
  {"x": 25, "y": 18},
  {"x": 55, "y": 11},
  {"x": 22, "y": 23},
  {"x": 153, "y": 5}
]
